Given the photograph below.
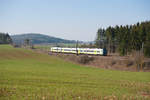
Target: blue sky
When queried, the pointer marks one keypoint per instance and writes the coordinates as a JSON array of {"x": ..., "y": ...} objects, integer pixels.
[{"x": 69, "y": 19}]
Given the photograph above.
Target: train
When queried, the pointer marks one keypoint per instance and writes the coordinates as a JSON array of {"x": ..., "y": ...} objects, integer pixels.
[{"x": 88, "y": 51}]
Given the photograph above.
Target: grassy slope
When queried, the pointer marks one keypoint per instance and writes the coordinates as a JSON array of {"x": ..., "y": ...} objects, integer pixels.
[{"x": 25, "y": 75}]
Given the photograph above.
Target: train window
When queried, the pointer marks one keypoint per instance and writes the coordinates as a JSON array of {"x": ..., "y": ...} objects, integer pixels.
[
  {"x": 88, "y": 51},
  {"x": 67, "y": 50}
]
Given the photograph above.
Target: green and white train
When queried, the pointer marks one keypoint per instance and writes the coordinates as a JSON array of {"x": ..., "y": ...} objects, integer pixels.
[{"x": 89, "y": 51}]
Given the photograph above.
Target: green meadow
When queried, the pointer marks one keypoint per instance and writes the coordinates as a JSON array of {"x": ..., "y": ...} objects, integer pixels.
[{"x": 27, "y": 75}]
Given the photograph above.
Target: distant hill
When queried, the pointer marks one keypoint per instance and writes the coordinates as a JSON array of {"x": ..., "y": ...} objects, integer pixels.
[{"x": 39, "y": 39}]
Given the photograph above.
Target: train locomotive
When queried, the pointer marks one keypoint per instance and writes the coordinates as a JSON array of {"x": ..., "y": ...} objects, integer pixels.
[{"x": 88, "y": 51}]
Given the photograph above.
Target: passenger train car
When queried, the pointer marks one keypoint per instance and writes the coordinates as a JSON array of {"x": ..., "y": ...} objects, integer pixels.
[{"x": 90, "y": 51}]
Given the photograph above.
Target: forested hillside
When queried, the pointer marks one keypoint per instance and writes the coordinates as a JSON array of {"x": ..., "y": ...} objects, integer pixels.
[
  {"x": 125, "y": 39},
  {"x": 5, "y": 38},
  {"x": 38, "y": 39}
]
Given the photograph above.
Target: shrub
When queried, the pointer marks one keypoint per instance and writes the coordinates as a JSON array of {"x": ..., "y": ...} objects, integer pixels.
[{"x": 84, "y": 59}]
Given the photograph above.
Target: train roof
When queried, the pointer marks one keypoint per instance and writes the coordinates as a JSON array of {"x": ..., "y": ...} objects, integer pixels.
[{"x": 79, "y": 48}]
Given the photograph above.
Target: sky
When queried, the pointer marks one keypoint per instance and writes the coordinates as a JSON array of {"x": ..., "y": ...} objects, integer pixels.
[{"x": 70, "y": 19}]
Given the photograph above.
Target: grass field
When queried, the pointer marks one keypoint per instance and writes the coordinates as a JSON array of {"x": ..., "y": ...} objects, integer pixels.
[
  {"x": 42, "y": 47},
  {"x": 26, "y": 75}
]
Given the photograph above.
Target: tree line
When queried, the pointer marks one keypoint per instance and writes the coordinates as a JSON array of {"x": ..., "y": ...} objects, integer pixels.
[
  {"x": 5, "y": 38},
  {"x": 125, "y": 39}
]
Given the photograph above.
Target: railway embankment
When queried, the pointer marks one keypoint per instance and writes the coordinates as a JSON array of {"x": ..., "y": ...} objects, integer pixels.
[{"x": 114, "y": 61}]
